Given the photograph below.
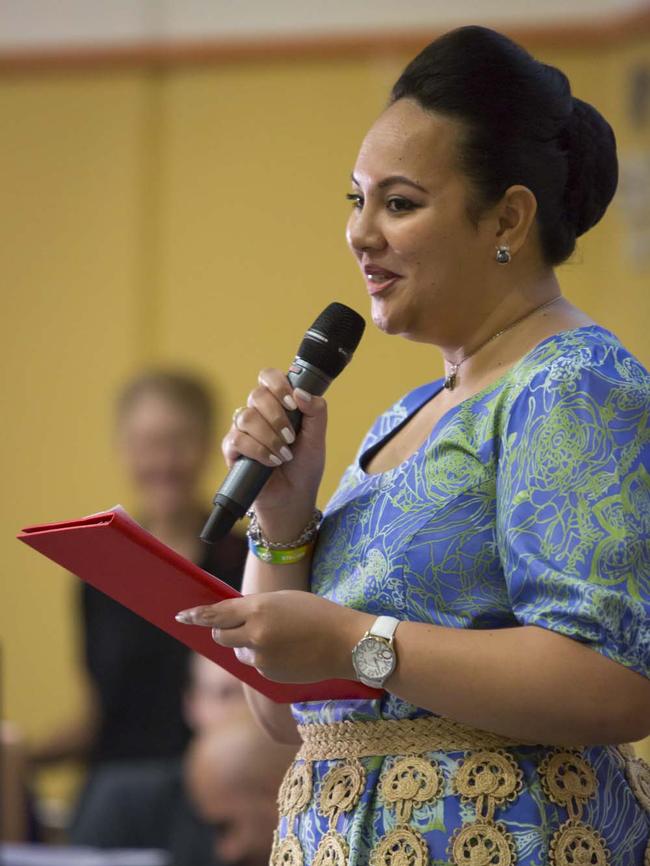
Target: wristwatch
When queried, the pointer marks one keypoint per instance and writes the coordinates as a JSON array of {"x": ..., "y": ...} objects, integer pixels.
[{"x": 374, "y": 657}]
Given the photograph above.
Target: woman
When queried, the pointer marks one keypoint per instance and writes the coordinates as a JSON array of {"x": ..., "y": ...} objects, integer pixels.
[
  {"x": 135, "y": 674},
  {"x": 500, "y": 515}
]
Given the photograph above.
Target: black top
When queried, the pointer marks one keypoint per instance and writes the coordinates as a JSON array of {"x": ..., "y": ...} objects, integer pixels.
[
  {"x": 144, "y": 805},
  {"x": 139, "y": 671}
]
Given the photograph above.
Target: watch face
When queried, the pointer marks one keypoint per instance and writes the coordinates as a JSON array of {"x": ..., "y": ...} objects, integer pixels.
[{"x": 374, "y": 659}]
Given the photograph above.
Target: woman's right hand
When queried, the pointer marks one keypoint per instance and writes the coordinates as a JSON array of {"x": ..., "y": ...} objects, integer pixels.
[{"x": 263, "y": 431}]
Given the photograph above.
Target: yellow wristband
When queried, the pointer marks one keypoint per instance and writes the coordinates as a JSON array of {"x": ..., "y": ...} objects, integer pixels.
[{"x": 280, "y": 557}]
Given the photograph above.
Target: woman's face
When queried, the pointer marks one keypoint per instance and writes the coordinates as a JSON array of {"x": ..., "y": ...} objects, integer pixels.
[
  {"x": 423, "y": 260},
  {"x": 163, "y": 449}
]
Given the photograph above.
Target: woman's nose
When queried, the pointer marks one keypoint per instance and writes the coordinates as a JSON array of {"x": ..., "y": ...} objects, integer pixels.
[{"x": 363, "y": 232}]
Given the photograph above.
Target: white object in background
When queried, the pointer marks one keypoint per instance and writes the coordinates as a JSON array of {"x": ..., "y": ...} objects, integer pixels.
[{"x": 55, "y": 855}]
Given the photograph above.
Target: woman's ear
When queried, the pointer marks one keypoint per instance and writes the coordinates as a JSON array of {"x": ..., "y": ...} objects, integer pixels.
[{"x": 515, "y": 214}]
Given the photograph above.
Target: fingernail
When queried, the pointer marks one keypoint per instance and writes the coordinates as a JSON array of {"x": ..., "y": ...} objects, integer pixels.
[
  {"x": 288, "y": 435},
  {"x": 275, "y": 460},
  {"x": 286, "y": 454},
  {"x": 185, "y": 616},
  {"x": 304, "y": 395},
  {"x": 216, "y": 634},
  {"x": 245, "y": 655},
  {"x": 289, "y": 402}
]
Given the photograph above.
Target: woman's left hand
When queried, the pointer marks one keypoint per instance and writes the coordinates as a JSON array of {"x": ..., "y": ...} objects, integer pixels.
[{"x": 289, "y": 636}]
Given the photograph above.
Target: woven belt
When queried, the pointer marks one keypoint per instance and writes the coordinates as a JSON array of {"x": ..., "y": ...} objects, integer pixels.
[{"x": 394, "y": 737}]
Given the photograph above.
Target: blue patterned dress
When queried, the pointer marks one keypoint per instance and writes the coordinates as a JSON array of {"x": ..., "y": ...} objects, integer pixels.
[{"x": 528, "y": 504}]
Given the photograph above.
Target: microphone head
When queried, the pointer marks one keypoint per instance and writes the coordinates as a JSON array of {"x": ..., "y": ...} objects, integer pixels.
[{"x": 330, "y": 342}]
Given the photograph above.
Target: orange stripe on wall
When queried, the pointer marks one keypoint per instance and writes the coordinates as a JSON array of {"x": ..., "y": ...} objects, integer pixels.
[{"x": 572, "y": 34}]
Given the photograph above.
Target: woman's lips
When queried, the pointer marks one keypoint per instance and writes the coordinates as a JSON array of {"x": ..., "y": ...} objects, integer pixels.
[{"x": 379, "y": 279}]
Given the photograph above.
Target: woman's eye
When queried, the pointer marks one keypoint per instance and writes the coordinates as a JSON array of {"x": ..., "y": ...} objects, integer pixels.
[
  {"x": 356, "y": 199},
  {"x": 398, "y": 204}
]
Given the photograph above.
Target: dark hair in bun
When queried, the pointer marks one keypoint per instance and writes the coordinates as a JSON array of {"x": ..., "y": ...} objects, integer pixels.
[{"x": 523, "y": 126}]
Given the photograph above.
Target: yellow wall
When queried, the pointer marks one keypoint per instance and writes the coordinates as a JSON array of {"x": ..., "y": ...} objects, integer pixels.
[{"x": 195, "y": 214}]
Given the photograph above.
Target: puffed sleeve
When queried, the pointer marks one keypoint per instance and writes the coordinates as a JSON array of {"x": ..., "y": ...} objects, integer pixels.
[{"x": 573, "y": 503}]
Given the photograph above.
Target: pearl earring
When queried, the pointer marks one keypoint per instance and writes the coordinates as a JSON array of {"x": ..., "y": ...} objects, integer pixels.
[{"x": 503, "y": 255}]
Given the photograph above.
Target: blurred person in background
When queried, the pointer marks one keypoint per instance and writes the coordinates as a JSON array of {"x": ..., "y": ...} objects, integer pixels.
[
  {"x": 15, "y": 811},
  {"x": 146, "y": 805},
  {"x": 134, "y": 674},
  {"x": 233, "y": 773}
]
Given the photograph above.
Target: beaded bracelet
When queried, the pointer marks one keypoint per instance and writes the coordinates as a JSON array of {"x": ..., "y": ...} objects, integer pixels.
[
  {"x": 307, "y": 536},
  {"x": 282, "y": 553},
  {"x": 286, "y": 556}
]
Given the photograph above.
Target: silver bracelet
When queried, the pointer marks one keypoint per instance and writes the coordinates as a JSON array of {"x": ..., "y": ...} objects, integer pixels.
[{"x": 309, "y": 533}]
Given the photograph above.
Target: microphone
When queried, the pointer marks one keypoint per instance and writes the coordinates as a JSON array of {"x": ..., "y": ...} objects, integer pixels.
[{"x": 326, "y": 349}]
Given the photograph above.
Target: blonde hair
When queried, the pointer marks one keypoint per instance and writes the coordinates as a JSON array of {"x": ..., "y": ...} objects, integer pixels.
[{"x": 186, "y": 390}]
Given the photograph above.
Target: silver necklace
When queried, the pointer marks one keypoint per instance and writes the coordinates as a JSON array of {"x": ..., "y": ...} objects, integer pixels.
[{"x": 450, "y": 378}]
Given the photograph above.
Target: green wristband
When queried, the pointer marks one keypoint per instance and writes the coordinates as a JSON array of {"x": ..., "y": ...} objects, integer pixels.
[{"x": 279, "y": 557}]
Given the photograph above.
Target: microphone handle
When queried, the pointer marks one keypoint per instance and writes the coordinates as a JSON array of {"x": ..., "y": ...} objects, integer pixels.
[{"x": 247, "y": 477}]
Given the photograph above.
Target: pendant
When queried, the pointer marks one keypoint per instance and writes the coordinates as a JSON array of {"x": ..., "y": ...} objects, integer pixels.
[{"x": 450, "y": 379}]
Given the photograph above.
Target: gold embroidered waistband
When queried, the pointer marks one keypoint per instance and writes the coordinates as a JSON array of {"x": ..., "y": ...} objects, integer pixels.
[{"x": 347, "y": 739}]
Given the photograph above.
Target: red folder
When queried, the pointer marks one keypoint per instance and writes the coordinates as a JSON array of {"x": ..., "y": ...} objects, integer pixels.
[{"x": 116, "y": 555}]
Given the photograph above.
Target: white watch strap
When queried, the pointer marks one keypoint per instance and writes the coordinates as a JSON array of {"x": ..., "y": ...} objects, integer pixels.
[{"x": 384, "y": 626}]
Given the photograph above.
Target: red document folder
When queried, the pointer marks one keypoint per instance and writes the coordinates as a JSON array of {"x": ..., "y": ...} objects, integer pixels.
[{"x": 116, "y": 555}]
